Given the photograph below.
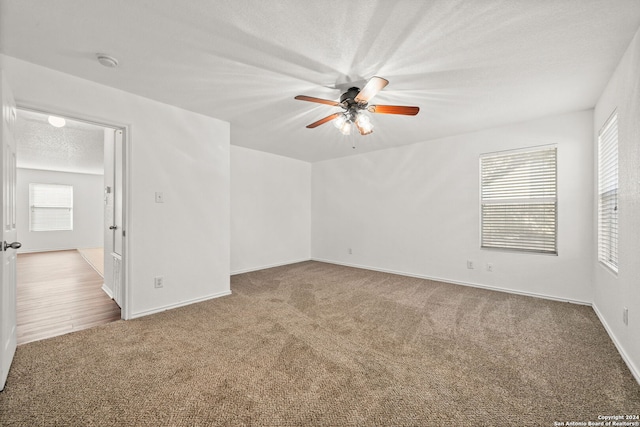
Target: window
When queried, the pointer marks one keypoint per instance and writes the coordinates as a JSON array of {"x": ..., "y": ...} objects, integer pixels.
[
  {"x": 608, "y": 193},
  {"x": 51, "y": 207},
  {"x": 518, "y": 200}
]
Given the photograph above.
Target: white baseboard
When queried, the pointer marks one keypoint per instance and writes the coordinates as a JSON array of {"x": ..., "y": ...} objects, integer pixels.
[
  {"x": 634, "y": 369},
  {"x": 30, "y": 251},
  {"x": 180, "y": 304},
  {"x": 264, "y": 267},
  {"x": 457, "y": 282},
  {"x": 107, "y": 290}
]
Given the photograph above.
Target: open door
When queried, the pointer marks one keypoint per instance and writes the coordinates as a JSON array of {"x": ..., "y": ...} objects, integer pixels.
[
  {"x": 113, "y": 214},
  {"x": 8, "y": 245}
]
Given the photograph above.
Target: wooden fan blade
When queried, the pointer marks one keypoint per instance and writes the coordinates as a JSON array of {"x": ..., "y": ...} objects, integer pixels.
[
  {"x": 318, "y": 100},
  {"x": 373, "y": 86},
  {"x": 394, "y": 109},
  {"x": 323, "y": 121}
]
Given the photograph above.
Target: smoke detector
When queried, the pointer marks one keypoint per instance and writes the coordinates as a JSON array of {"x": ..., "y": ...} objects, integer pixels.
[{"x": 107, "y": 61}]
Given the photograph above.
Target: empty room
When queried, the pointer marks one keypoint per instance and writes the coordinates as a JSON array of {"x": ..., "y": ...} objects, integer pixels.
[{"x": 331, "y": 213}]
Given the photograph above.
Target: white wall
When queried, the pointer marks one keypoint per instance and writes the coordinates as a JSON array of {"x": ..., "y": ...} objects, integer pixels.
[
  {"x": 87, "y": 211},
  {"x": 270, "y": 210},
  {"x": 612, "y": 292},
  {"x": 415, "y": 210},
  {"x": 183, "y": 154}
]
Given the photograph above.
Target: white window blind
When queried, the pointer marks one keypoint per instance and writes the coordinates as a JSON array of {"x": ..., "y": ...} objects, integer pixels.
[
  {"x": 608, "y": 193},
  {"x": 519, "y": 200},
  {"x": 50, "y": 207}
]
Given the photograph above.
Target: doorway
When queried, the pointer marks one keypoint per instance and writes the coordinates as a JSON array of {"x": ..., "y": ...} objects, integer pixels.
[{"x": 70, "y": 212}]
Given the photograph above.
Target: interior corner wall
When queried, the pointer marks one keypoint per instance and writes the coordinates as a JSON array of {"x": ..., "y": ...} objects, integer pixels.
[
  {"x": 415, "y": 210},
  {"x": 614, "y": 292},
  {"x": 87, "y": 211},
  {"x": 270, "y": 210},
  {"x": 183, "y": 154}
]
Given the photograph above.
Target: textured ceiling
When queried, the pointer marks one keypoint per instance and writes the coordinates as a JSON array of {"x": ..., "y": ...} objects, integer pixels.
[
  {"x": 467, "y": 64},
  {"x": 76, "y": 147}
]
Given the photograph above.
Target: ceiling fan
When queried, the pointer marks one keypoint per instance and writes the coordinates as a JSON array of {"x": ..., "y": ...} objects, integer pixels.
[{"x": 355, "y": 103}]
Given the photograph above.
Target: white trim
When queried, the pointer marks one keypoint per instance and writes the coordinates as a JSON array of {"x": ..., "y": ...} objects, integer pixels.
[
  {"x": 31, "y": 251},
  {"x": 78, "y": 117},
  {"x": 519, "y": 150},
  {"x": 179, "y": 304},
  {"x": 58, "y": 170},
  {"x": 107, "y": 291},
  {"x": 264, "y": 267},
  {"x": 457, "y": 282},
  {"x": 634, "y": 369},
  {"x": 127, "y": 140},
  {"x": 127, "y": 185}
]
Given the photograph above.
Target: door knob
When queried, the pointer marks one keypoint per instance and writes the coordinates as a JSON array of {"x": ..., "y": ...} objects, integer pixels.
[
  {"x": 14, "y": 245},
  {"x": 113, "y": 227}
]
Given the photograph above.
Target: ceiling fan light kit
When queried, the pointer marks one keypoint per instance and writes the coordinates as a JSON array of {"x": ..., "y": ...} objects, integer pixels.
[{"x": 355, "y": 103}]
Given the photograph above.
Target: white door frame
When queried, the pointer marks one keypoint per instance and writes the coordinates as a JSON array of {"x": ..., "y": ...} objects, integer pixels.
[{"x": 125, "y": 312}]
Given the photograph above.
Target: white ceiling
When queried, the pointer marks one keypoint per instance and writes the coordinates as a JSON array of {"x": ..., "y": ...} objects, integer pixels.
[
  {"x": 468, "y": 64},
  {"x": 77, "y": 147}
]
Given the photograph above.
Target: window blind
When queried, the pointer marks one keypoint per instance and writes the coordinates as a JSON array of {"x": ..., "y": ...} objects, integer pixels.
[
  {"x": 519, "y": 200},
  {"x": 608, "y": 193},
  {"x": 51, "y": 207}
]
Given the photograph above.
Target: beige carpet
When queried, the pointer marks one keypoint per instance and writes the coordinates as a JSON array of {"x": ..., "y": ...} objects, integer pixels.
[
  {"x": 317, "y": 344},
  {"x": 95, "y": 258}
]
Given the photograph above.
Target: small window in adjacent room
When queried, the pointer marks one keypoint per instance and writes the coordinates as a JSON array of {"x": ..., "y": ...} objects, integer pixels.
[
  {"x": 50, "y": 207},
  {"x": 519, "y": 200},
  {"x": 608, "y": 193}
]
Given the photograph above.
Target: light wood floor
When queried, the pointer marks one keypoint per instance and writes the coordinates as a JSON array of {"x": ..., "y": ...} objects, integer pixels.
[
  {"x": 95, "y": 258},
  {"x": 57, "y": 293}
]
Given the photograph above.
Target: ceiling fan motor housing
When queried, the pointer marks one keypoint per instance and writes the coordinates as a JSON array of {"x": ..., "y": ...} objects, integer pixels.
[{"x": 349, "y": 96}]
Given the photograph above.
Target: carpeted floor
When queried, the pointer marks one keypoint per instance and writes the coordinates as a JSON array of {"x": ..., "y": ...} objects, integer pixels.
[{"x": 318, "y": 344}]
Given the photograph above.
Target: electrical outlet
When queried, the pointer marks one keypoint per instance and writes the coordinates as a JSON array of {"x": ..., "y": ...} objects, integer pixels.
[
  {"x": 625, "y": 316},
  {"x": 158, "y": 282},
  {"x": 489, "y": 267},
  {"x": 470, "y": 265},
  {"x": 350, "y": 251}
]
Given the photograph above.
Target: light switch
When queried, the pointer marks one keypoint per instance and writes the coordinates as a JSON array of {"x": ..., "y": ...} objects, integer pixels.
[{"x": 159, "y": 197}]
